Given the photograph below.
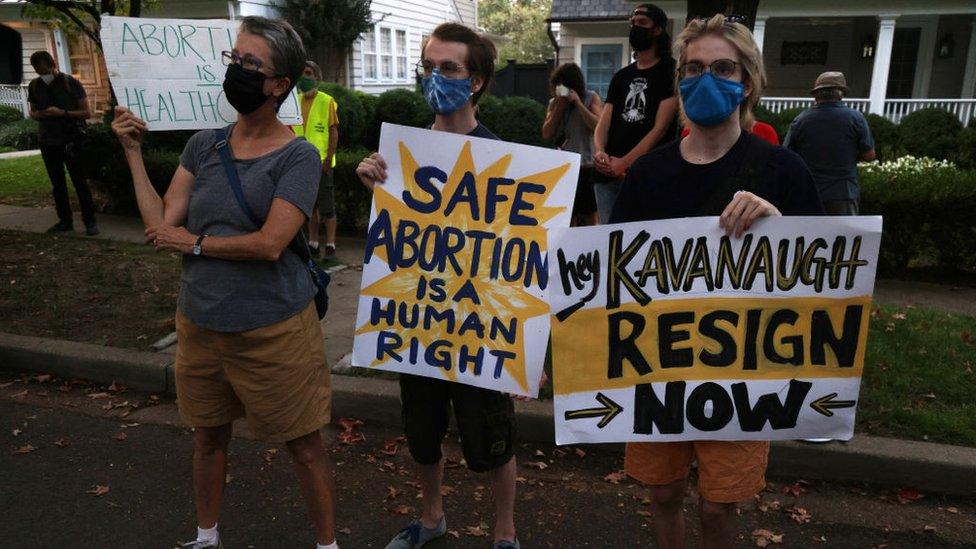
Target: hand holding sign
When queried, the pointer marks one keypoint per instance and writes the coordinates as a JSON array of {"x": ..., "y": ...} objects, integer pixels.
[{"x": 129, "y": 128}]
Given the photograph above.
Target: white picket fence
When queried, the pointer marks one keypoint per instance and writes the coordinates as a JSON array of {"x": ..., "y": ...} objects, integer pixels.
[
  {"x": 14, "y": 96},
  {"x": 895, "y": 109}
]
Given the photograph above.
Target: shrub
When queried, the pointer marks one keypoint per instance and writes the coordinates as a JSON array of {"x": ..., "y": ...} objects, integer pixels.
[
  {"x": 765, "y": 115},
  {"x": 885, "y": 134},
  {"x": 929, "y": 132},
  {"x": 352, "y": 116},
  {"x": 21, "y": 134},
  {"x": 515, "y": 119},
  {"x": 404, "y": 107},
  {"x": 352, "y": 198},
  {"x": 927, "y": 209},
  {"x": 966, "y": 149},
  {"x": 371, "y": 133},
  {"x": 10, "y": 114}
]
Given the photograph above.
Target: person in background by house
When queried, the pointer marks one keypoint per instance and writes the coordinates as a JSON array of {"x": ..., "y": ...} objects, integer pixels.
[
  {"x": 57, "y": 101},
  {"x": 456, "y": 65},
  {"x": 320, "y": 128},
  {"x": 760, "y": 129},
  {"x": 640, "y": 108},
  {"x": 718, "y": 169},
  {"x": 831, "y": 138},
  {"x": 573, "y": 114}
]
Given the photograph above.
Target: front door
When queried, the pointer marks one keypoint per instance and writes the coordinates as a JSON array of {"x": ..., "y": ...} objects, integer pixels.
[
  {"x": 904, "y": 61},
  {"x": 599, "y": 63}
]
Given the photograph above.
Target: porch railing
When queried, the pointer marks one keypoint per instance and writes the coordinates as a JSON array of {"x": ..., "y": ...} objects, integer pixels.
[
  {"x": 15, "y": 95},
  {"x": 895, "y": 109}
]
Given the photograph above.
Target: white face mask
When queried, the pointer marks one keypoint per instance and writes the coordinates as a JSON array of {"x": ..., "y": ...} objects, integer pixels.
[{"x": 47, "y": 78}]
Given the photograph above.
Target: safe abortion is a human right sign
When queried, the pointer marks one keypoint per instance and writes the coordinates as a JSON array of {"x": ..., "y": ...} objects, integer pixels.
[{"x": 671, "y": 330}]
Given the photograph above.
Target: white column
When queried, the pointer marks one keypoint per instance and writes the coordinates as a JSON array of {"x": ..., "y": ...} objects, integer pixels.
[
  {"x": 759, "y": 32},
  {"x": 61, "y": 51},
  {"x": 969, "y": 80},
  {"x": 882, "y": 59}
]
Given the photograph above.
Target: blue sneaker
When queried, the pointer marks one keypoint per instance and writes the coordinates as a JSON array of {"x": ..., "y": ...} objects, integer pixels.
[
  {"x": 505, "y": 544},
  {"x": 416, "y": 535}
]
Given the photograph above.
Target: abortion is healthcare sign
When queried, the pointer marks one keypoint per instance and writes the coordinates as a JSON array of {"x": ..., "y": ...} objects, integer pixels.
[
  {"x": 169, "y": 72},
  {"x": 455, "y": 270},
  {"x": 671, "y": 330}
]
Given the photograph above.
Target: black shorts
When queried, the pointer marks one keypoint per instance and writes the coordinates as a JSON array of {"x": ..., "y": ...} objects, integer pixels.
[
  {"x": 585, "y": 203},
  {"x": 485, "y": 420}
]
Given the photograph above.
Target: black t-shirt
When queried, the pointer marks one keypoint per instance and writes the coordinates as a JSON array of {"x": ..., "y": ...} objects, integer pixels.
[
  {"x": 635, "y": 95},
  {"x": 663, "y": 185},
  {"x": 64, "y": 92},
  {"x": 481, "y": 131}
]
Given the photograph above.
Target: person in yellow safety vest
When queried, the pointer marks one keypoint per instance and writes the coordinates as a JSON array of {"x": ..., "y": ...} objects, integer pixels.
[{"x": 320, "y": 128}]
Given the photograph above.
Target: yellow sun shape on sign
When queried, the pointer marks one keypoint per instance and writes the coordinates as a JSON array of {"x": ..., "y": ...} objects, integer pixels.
[{"x": 498, "y": 298}]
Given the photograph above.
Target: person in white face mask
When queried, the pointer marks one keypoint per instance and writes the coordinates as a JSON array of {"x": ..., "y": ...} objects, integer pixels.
[{"x": 57, "y": 101}]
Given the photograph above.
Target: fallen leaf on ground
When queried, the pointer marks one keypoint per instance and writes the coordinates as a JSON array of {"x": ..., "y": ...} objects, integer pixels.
[
  {"x": 345, "y": 531},
  {"x": 763, "y": 537},
  {"x": 25, "y": 449},
  {"x": 43, "y": 378},
  {"x": 476, "y": 531},
  {"x": 270, "y": 454},
  {"x": 121, "y": 436},
  {"x": 447, "y": 490},
  {"x": 644, "y": 513},
  {"x": 61, "y": 442},
  {"x": 20, "y": 394},
  {"x": 799, "y": 515},
  {"x": 96, "y": 396},
  {"x": 615, "y": 477},
  {"x": 349, "y": 435},
  {"x": 392, "y": 493},
  {"x": 454, "y": 534},
  {"x": 540, "y": 465},
  {"x": 402, "y": 509},
  {"x": 7, "y": 384},
  {"x": 391, "y": 446},
  {"x": 821, "y": 539},
  {"x": 952, "y": 510},
  {"x": 99, "y": 490},
  {"x": 580, "y": 452},
  {"x": 928, "y": 528},
  {"x": 908, "y": 495},
  {"x": 540, "y": 454},
  {"x": 796, "y": 489},
  {"x": 16, "y": 432},
  {"x": 880, "y": 546}
]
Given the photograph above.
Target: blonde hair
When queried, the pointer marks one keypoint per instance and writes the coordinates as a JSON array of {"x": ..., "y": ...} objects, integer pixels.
[{"x": 750, "y": 58}]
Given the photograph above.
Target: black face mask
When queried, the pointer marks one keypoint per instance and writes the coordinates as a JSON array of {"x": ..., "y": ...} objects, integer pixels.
[
  {"x": 244, "y": 88},
  {"x": 641, "y": 38}
]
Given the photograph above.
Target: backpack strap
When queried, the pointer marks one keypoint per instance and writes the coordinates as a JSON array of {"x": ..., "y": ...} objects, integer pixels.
[
  {"x": 299, "y": 244},
  {"x": 746, "y": 178}
]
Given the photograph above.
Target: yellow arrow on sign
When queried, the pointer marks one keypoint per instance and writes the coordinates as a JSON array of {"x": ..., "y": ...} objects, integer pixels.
[
  {"x": 608, "y": 411},
  {"x": 824, "y": 404}
]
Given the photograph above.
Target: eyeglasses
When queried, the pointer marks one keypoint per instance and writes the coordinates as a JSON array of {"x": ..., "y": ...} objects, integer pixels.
[
  {"x": 246, "y": 61},
  {"x": 722, "y": 68},
  {"x": 448, "y": 69}
]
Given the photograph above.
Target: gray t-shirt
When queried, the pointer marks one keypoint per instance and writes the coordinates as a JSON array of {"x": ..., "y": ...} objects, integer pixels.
[
  {"x": 578, "y": 137},
  {"x": 236, "y": 296}
]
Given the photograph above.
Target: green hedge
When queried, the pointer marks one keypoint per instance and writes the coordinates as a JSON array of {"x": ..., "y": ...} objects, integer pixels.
[
  {"x": 928, "y": 218},
  {"x": 514, "y": 119},
  {"x": 20, "y": 134},
  {"x": 352, "y": 116},
  {"x": 352, "y": 198},
  {"x": 10, "y": 114},
  {"x": 930, "y": 132}
]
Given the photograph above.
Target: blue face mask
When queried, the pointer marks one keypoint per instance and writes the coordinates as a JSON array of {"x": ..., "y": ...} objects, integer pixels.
[
  {"x": 709, "y": 101},
  {"x": 446, "y": 95}
]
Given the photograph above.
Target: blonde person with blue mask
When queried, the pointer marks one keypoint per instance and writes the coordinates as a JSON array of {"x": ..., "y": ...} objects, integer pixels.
[{"x": 320, "y": 128}]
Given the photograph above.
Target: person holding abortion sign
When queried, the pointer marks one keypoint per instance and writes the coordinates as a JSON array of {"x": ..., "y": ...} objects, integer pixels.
[
  {"x": 719, "y": 169},
  {"x": 249, "y": 340},
  {"x": 456, "y": 66}
]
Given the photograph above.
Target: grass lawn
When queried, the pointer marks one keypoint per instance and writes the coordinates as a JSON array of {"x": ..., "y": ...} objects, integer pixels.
[
  {"x": 919, "y": 379},
  {"x": 95, "y": 291},
  {"x": 24, "y": 182}
]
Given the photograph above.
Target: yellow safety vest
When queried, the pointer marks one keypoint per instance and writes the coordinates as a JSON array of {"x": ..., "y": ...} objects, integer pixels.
[{"x": 318, "y": 123}]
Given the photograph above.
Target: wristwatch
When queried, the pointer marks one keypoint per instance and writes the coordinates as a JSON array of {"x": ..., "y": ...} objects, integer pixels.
[{"x": 197, "y": 250}]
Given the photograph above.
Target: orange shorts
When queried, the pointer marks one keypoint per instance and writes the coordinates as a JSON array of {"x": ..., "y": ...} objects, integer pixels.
[
  {"x": 276, "y": 376},
  {"x": 728, "y": 471}
]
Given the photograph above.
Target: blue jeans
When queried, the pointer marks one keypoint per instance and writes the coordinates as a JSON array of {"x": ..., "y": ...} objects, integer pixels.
[{"x": 606, "y": 195}]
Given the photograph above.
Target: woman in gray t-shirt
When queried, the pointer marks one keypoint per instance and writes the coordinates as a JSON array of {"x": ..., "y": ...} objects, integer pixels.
[
  {"x": 249, "y": 340},
  {"x": 571, "y": 118}
]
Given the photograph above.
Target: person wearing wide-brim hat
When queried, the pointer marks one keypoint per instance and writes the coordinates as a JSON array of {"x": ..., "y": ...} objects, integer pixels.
[{"x": 832, "y": 137}]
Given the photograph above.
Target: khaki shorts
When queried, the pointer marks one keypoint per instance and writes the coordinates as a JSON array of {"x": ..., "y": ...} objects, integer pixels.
[
  {"x": 276, "y": 376},
  {"x": 728, "y": 472}
]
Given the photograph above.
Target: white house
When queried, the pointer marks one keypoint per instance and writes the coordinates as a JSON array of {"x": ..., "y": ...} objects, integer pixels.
[
  {"x": 898, "y": 55},
  {"x": 380, "y": 60}
]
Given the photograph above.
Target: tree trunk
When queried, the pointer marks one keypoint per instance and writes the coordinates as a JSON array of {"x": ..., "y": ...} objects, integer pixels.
[{"x": 708, "y": 8}]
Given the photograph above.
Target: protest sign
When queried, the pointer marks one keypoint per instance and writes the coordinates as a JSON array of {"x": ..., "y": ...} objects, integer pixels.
[
  {"x": 169, "y": 72},
  {"x": 455, "y": 270},
  {"x": 671, "y": 330}
]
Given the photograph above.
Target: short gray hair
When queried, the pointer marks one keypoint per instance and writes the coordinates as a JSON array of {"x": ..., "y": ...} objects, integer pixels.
[
  {"x": 287, "y": 51},
  {"x": 828, "y": 94}
]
